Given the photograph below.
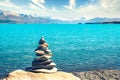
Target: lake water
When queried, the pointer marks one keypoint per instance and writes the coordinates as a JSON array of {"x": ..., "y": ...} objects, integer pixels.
[{"x": 75, "y": 47}]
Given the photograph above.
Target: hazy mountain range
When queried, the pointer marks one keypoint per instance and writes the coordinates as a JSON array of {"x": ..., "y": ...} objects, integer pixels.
[{"x": 16, "y": 18}]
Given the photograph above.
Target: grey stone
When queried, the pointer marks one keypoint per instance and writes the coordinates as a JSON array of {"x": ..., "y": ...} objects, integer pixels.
[
  {"x": 99, "y": 75},
  {"x": 37, "y": 63},
  {"x": 48, "y": 66}
]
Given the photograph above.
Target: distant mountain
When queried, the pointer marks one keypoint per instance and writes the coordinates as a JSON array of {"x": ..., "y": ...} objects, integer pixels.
[
  {"x": 16, "y": 18},
  {"x": 13, "y": 17},
  {"x": 8, "y": 13},
  {"x": 103, "y": 21}
]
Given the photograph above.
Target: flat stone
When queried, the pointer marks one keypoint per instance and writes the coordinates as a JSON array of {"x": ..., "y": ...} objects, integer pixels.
[
  {"x": 53, "y": 70},
  {"x": 47, "y": 56},
  {"x": 44, "y": 57},
  {"x": 39, "y": 53},
  {"x": 37, "y": 63},
  {"x": 48, "y": 66},
  {"x": 38, "y": 60},
  {"x": 41, "y": 59},
  {"x": 48, "y": 51}
]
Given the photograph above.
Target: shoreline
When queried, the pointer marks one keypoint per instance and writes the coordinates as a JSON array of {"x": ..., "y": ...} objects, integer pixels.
[{"x": 87, "y": 75}]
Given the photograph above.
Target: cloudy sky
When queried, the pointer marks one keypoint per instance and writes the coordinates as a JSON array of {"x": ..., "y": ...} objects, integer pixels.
[{"x": 64, "y": 9}]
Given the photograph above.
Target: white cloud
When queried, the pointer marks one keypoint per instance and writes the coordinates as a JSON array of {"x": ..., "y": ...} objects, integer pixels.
[
  {"x": 71, "y": 4},
  {"x": 7, "y": 0},
  {"x": 102, "y": 8},
  {"x": 42, "y": 1},
  {"x": 54, "y": 9},
  {"x": 105, "y": 8},
  {"x": 8, "y": 5},
  {"x": 111, "y": 5},
  {"x": 39, "y": 3},
  {"x": 33, "y": 9}
]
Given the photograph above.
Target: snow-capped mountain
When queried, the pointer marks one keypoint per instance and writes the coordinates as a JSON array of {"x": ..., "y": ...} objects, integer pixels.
[
  {"x": 102, "y": 20},
  {"x": 13, "y": 17},
  {"x": 8, "y": 13}
]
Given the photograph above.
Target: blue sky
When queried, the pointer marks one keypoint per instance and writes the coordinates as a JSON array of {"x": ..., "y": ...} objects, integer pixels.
[{"x": 64, "y": 9}]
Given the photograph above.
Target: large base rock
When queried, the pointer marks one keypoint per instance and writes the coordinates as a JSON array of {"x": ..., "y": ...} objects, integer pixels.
[
  {"x": 23, "y": 75},
  {"x": 89, "y": 75}
]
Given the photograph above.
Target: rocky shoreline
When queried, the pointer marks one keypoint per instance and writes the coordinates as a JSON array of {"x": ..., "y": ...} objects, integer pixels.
[
  {"x": 99, "y": 75},
  {"x": 59, "y": 75}
]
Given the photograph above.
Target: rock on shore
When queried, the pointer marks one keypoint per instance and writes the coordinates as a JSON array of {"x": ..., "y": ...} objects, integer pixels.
[
  {"x": 89, "y": 75},
  {"x": 23, "y": 75},
  {"x": 99, "y": 75}
]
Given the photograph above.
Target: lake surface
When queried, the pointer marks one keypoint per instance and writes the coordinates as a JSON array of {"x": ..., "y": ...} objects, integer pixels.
[{"x": 75, "y": 47}]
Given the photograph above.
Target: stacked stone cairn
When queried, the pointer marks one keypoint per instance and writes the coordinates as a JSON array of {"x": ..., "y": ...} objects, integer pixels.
[{"x": 42, "y": 62}]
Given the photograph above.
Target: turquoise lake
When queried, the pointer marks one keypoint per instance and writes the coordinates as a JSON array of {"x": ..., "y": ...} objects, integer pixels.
[{"x": 83, "y": 47}]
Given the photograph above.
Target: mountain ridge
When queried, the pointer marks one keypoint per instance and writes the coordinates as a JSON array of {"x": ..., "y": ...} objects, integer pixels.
[{"x": 17, "y": 18}]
